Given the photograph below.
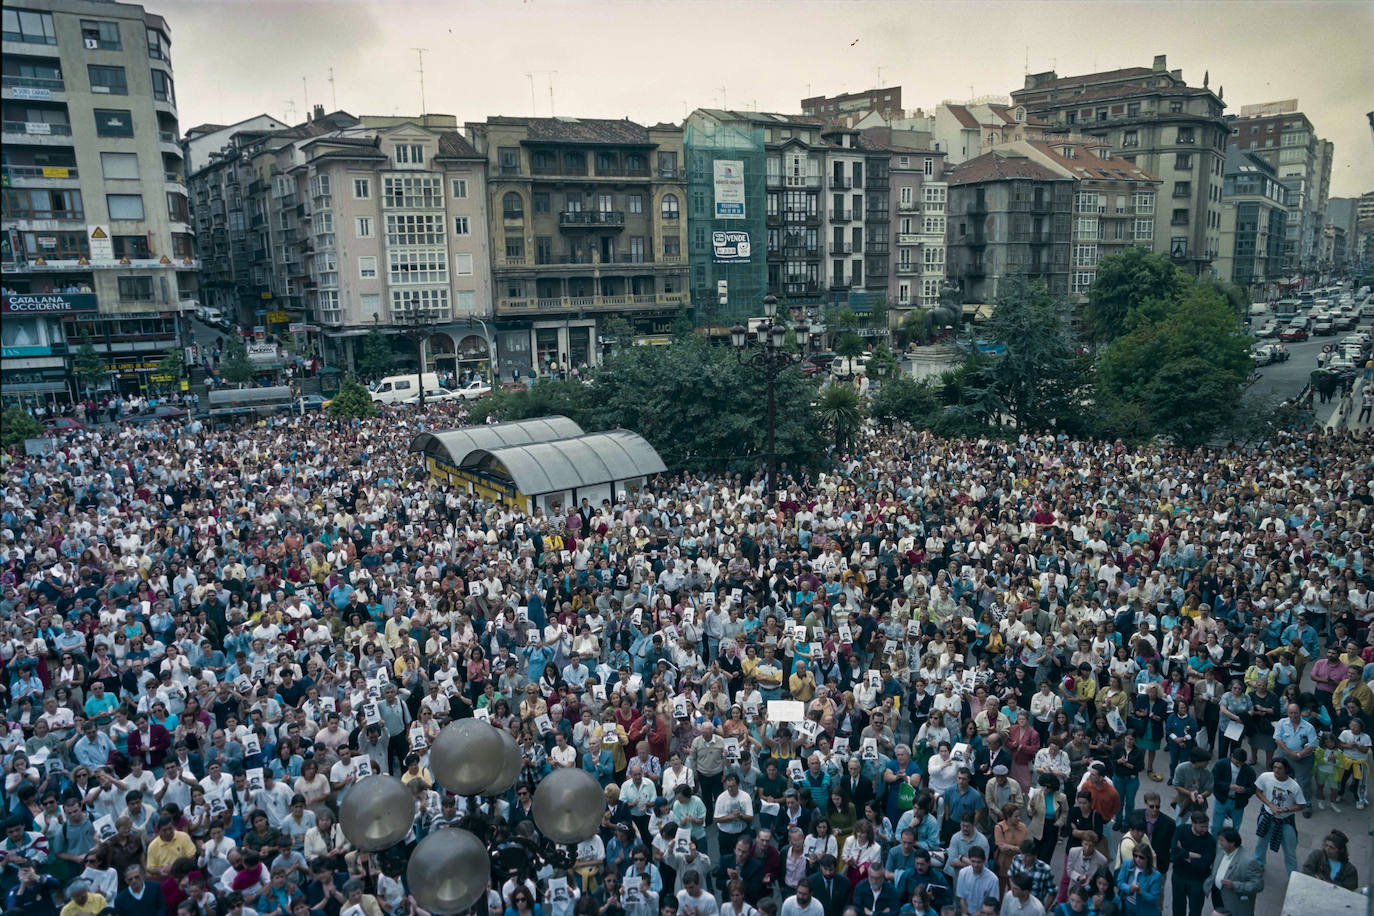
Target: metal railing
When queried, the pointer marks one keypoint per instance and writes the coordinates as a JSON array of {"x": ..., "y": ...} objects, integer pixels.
[{"x": 38, "y": 129}]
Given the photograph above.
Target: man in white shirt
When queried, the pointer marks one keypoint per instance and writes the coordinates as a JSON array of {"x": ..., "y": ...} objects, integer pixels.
[
  {"x": 1019, "y": 901},
  {"x": 733, "y": 811},
  {"x": 802, "y": 903}
]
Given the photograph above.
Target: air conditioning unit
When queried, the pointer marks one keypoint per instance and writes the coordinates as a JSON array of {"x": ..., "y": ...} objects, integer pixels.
[{"x": 91, "y": 43}]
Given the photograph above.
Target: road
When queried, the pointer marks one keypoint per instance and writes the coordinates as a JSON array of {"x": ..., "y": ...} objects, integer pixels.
[{"x": 1284, "y": 380}]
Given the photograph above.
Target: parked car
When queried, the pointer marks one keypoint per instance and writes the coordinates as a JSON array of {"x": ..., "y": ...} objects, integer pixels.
[
  {"x": 1345, "y": 322},
  {"x": 433, "y": 396},
  {"x": 1293, "y": 332},
  {"x": 474, "y": 390},
  {"x": 160, "y": 412},
  {"x": 1324, "y": 328},
  {"x": 62, "y": 425},
  {"x": 1269, "y": 329},
  {"x": 1264, "y": 355},
  {"x": 310, "y": 402}
]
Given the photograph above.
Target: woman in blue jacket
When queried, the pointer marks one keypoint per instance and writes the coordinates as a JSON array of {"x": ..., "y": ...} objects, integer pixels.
[{"x": 1139, "y": 884}]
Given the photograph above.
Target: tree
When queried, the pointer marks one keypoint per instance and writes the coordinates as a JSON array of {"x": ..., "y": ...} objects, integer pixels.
[
  {"x": 905, "y": 400},
  {"x": 547, "y": 397},
  {"x": 236, "y": 367},
  {"x": 18, "y": 426},
  {"x": 172, "y": 365},
  {"x": 840, "y": 413},
  {"x": 374, "y": 355},
  {"x": 883, "y": 364},
  {"x": 87, "y": 365},
  {"x": 1038, "y": 379},
  {"x": 1184, "y": 374},
  {"x": 849, "y": 345},
  {"x": 1129, "y": 286},
  {"x": 352, "y": 401},
  {"x": 915, "y": 326},
  {"x": 700, "y": 408}
]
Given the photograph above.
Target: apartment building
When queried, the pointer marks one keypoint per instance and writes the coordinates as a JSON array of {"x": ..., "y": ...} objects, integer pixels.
[
  {"x": 96, "y": 226},
  {"x": 587, "y": 218},
  {"x": 1152, "y": 118},
  {"x": 848, "y": 107},
  {"x": 1009, "y": 217},
  {"x": 1253, "y": 222},
  {"x": 1113, "y": 205},
  {"x": 342, "y": 225},
  {"x": 917, "y": 200},
  {"x": 1283, "y": 136}
]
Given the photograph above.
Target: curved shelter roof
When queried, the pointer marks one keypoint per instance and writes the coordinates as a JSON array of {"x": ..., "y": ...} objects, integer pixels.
[
  {"x": 455, "y": 444},
  {"x": 568, "y": 464}
]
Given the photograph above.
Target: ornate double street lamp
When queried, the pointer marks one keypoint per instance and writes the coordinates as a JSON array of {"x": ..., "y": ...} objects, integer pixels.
[
  {"x": 771, "y": 356},
  {"x": 450, "y": 869},
  {"x": 417, "y": 326}
]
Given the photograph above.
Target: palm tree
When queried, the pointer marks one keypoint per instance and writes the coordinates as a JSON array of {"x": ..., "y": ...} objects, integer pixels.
[{"x": 840, "y": 412}]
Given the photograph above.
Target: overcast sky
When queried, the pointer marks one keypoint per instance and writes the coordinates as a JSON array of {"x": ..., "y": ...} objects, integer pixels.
[{"x": 653, "y": 61}]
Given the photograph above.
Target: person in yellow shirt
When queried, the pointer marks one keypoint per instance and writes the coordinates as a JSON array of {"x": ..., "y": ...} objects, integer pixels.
[
  {"x": 802, "y": 683},
  {"x": 169, "y": 845},
  {"x": 81, "y": 900}
]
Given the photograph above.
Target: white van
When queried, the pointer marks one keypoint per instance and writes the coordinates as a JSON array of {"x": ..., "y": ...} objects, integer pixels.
[{"x": 397, "y": 388}]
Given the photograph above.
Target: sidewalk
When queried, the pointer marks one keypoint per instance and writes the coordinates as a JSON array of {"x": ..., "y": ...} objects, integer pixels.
[{"x": 1333, "y": 418}]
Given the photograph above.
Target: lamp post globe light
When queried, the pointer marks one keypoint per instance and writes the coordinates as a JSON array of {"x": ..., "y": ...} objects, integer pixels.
[
  {"x": 450, "y": 869},
  {"x": 770, "y": 357}
]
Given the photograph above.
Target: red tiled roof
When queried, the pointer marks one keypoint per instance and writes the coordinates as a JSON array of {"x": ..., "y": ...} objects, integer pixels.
[
  {"x": 963, "y": 115},
  {"x": 994, "y": 166},
  {"x": 1088, "y": 164}
]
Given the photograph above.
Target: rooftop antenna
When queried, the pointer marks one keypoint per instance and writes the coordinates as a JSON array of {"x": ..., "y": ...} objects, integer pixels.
[
  {"x": 333, "y": 98},
  {"x": 549, "y": 75},
  {"x": 305, "y": 90},
  {"x": 724, "y": 99},
  {"x": 420, "y": 52},
  {"x": 880, "y": 77},
  {"x": 530, "y": 77}
]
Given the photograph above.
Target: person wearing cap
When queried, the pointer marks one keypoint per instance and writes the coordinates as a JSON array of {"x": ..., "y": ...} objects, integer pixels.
[{"x": 1001, "y": 790}]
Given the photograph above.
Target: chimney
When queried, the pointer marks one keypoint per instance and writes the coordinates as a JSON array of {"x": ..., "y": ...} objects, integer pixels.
[
  {"x": 1161, "y": 63},
  {"x": 318, "y": 113}
]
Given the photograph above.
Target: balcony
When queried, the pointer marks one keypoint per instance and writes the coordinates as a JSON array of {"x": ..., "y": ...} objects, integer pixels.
[
  {"x": 38, "y": 133},
  {"x": 908, "y": 238},
  {"x": 840, "y": 248},
  {"x": 37, "y": 176},
  {"x": 909, "y": 207},
  {"x": 801, "y": 289},
  {"x": 32, "y": 88},
  {"x": 976, "y": 271},
  {"x": 875, "y": 182},
  {"x": 876, "y": 248},
  {"x": 839, "y": 285},
  {"x": 796, "y": 253},
  {"x": 839, "y": 183},
  {"x": 800, "y": 216},
  {"x": 793, "y": 181},
  {"x": 908, "y": 267},
  {"x": 559, "y": 304},
  {"x": 840, "y": 216},
  {"x": 509, "y": 168},
  {"x": 592, "y": 219}
]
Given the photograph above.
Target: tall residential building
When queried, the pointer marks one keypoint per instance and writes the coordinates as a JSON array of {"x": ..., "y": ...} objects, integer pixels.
[
  {"x": 847, "y": 107},
  {"x": 1009, "y": 218},
  {"x": 1114, "y": 201},
  {"x": 1253, "y": 223},
  {"x": 1285, "y": 138},
  {"x": 917, "y": 200},
  {"x": 587, "y": 219},
  {"x": 97, "y": 235},
  {"x": 1152, "y": 118}
]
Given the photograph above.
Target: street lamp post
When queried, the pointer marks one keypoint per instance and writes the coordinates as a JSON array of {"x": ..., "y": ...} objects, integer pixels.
[
  {"x": 770, "y": 357},
  {"x": 417, "y": 327}
]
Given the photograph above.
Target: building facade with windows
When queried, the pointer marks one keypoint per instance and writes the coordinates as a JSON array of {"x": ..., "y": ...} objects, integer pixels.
[
  {"x": 1114, "y": 202},
  {"x": 1254, "y": 219},
  {"x": 96, "y": 224},
  {"x": 1009, "y": 218},
  {"x": 917, "y": 219},
  {"x": 1283, "y": 136},
  {"x": 848, "y": 107},
  {"x": 587, "y": 225},
  {"x": 1151, "y": 118}
]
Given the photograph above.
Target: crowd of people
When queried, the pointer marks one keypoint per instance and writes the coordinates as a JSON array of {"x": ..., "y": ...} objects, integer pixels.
[{"x": 937, "y": 676}]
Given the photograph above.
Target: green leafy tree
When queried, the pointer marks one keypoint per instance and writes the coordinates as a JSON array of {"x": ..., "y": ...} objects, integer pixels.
[
  {"x": 1038, "y": 379},
  {"x": 88, "y": 365},
  {"x": 18, "y": 426},
  {"x": 172, "y": 365},
  {"x": 1237, "y": 297},
  {"x": 374, "y": 355},
  {"x": 840, "y": 412},
  {"x": 1184, "y": 374},
  {"x": 236, "y": 368},
  {"x": 352, "y": 401},
  {"x": 905, "y": 400},
  {"x": 914, "y": 326},
  {"x": 1132, "y": 285},
  {"x": 840, "y": 318},
  {"x": 700, "y": 408},
  {"x": 883, "y": 364},
  {"x": 546, "y": 398},
  {"x": 849, "y": 345}
]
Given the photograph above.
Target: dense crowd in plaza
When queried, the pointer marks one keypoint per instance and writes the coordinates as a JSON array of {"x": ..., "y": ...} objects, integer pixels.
[{"x": 966, "y": 676}]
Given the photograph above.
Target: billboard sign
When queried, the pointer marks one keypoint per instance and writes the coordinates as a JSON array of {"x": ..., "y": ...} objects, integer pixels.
[
  {"x": 730, "y": 246},
  {"x": 729, "y": 180},
  {"x": 48, "y": 303}
]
